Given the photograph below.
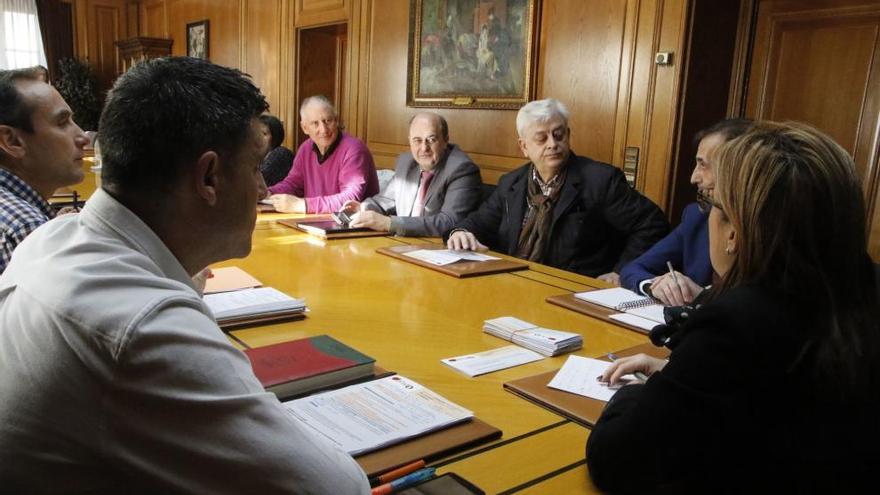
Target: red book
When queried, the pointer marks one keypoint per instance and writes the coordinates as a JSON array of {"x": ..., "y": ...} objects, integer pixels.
[{"x": 305, "y": 365}]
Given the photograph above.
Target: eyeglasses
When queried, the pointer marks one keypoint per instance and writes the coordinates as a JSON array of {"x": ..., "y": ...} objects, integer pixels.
[
  {"x": 430, "y": 141},
  {"x": 705, "y": 202}
]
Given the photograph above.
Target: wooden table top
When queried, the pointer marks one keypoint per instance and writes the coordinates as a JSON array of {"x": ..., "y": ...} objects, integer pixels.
[{"x": 409, "y": 318}]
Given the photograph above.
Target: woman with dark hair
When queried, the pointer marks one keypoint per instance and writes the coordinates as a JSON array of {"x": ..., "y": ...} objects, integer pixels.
[
  {"x": 773, "y": 384},
  {"x": 278, "y": 159}
]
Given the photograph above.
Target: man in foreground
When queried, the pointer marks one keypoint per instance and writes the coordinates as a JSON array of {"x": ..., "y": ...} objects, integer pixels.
[
  {"x": 41, "y": 150},
  {"x": 114, "y": 376},
  {"x": 561, "y": 209},
  {"x": 330, "y": 168},
  {"x": 435, "y": 185}
]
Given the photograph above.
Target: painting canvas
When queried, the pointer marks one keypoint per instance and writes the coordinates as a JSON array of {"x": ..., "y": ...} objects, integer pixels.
[
  {"x": 471, "y": 53},
  {"x": 197, "y": 39}
]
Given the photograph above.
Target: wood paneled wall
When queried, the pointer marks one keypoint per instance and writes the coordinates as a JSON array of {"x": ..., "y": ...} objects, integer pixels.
[
  {"x": 815, "y": 61},
  {"x": 596, "y": 56}
]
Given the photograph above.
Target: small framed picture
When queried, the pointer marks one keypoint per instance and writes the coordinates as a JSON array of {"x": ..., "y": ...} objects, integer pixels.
[{"x": 197, "y": 39}]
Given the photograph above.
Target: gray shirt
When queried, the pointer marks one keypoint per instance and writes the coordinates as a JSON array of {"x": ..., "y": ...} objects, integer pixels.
[{"x": 114, "y": 377}]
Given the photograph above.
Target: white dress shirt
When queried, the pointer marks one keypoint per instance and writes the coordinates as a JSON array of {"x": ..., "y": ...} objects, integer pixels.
[{"x": 114, "y": 377}]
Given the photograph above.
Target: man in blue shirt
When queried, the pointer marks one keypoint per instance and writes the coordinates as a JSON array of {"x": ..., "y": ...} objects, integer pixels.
[
  {"x": 41, "y": 149},
  {"x": 687, "y": 246}
]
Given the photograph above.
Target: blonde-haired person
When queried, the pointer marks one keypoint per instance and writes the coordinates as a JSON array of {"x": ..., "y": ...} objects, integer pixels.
[{"x": 773, "y": 384}]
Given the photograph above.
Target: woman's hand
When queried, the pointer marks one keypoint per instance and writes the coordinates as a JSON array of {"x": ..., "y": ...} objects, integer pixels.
[{"x": 631, "y": 364}]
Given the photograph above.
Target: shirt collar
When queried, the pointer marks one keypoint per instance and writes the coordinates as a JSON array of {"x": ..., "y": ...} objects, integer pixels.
[
  {"x": 330, "y": 149},
  {"x": 23, "y": 190},
  {"x": 104, "y": 212},
  {"x": 546, "y": 187}
]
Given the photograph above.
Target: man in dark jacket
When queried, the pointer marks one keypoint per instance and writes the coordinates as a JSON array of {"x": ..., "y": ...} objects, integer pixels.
[{"x": 561, "y": 209}]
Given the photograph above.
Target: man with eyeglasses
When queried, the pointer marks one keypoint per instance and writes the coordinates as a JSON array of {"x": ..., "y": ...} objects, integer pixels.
[
  {"x": 434, "y": 186},
  {"x": 330, "y": 168},
  {"x": 686, "y": 248}
]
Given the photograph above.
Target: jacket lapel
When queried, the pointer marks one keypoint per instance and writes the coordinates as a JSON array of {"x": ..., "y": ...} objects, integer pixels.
[
  {"x": 409, "y": 190},
  {"x": 516, "y": 202},
  {"x": 570, "y": 192}
]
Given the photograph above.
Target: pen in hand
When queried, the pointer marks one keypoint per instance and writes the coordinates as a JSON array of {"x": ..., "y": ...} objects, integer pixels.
[
  {"x": 638, "y": 374},
  {"x": 672, "y": 272}
]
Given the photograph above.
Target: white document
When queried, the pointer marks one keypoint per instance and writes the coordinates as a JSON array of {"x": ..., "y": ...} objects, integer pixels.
[
  {"x": 492, "y": 360},
  {"x": 653, "y": 312},
  {"x": 441, "y": 257},
  {"x": 375, "y": 414},
  {"x": 250, "y": 302},
  {"x": 636, "y": 321},
  {"x": 579, "y": 376}
]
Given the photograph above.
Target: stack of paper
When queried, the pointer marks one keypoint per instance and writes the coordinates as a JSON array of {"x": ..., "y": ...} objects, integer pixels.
[
  {"x": 251, "y": 305},
  {"x": 543, "y": 340},
  {"x": 368, "y": 416},
  {"x": 441, "y": 257}
]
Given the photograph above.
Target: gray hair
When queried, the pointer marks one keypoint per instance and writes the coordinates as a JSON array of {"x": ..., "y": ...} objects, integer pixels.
[
  {"x": 319, "y": 99},
  {"x": 540, "y": 111}
]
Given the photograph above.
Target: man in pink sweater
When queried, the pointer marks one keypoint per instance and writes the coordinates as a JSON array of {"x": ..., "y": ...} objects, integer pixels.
[{"x": 330, "y": 167}]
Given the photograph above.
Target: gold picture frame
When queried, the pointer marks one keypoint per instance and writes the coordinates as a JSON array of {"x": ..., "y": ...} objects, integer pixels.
[{"x": 472, "y": 53}]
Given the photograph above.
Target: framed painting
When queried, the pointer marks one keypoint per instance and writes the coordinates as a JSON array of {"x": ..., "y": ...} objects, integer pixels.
[
  {"x": 472, "y": 53},
  {"x": 197, "y": 39}
]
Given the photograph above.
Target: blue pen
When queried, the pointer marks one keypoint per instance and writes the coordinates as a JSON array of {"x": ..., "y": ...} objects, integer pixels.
[
  {"x": 638, "y": 374},
  {"x": 412, "y": 479}
]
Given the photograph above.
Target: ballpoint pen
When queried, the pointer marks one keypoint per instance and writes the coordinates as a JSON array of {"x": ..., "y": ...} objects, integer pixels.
[
  {"x": 672, "y": 272},
  {"x": 397, "y": 473},
  {"x": 638, "y": 374},
  {"x": 408, "y": 480}
]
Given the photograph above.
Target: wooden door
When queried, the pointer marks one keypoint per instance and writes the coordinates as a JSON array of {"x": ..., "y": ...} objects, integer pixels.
[
  {"x": 818, "y": 61},
  {"x": 321, "y": 68}
]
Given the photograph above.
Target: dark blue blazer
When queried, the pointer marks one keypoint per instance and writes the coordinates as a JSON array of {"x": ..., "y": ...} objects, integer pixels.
[{"x": 687, "y": 247}]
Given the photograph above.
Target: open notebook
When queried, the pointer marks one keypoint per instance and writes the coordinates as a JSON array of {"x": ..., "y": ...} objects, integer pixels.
[{"x": 636, "y": 310}]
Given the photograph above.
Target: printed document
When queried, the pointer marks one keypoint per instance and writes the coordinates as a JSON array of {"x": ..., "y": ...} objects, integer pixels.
[
  {"x": 262, "y": 300},
  {"x": 441, "y": 257},
  {"x": 368, "y": 416},
  {"x": 578, "y": 376},
  {"x": 492, "y": 360}
]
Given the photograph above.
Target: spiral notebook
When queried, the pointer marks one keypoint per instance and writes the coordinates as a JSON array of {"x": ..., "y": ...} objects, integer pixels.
[{"x": 626, "y": 301}]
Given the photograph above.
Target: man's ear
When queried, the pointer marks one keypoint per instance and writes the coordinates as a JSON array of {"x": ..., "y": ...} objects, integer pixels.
[
  {"x": 207, "y": 176},
  {"x": 522, "y": 146},
  {"x": 10, "y": 142},
  {"x": 302, "y": 126}
]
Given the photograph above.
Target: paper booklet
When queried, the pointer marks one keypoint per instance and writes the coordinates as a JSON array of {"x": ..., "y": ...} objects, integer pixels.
[
  {"x": 441, "y": 257},
  {"x": 578, "y": 376},
  {"x": 543, "y": 340},
  {"x": 258, "y": 302},
  {"x": 627, "y": 301},
  {"x": 492, "y": 360},
  {"x": 228, "y": 279},
  {"x": 368, "y": 416}
]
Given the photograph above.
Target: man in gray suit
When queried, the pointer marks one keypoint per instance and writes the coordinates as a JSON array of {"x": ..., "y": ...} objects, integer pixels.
[{"x": 434, "y": 186}]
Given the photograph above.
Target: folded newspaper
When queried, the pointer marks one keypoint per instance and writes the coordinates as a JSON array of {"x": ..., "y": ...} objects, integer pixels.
[{"x": 541, "y": 340}]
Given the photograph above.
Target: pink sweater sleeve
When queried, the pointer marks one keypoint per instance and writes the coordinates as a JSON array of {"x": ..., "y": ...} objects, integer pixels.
[
  {"x": 294, "y": 183},
  {"x": 354, "y": 178}
]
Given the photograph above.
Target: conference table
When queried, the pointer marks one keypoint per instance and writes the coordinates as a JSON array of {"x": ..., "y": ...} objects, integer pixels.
[{"x": 409, "y": 317}]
